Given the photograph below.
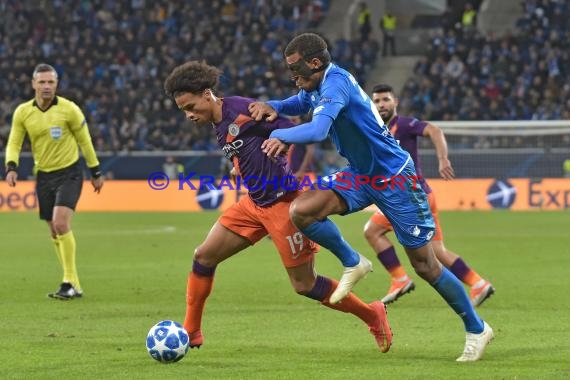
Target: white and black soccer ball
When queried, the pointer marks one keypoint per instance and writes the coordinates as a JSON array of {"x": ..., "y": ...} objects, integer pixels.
[{"x": 167, "y": 341}]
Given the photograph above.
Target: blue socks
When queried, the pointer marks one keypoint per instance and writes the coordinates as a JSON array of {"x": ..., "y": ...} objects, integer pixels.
[
  {"x": 326, "y": 234},
  {"x": 452, "y": 291}
]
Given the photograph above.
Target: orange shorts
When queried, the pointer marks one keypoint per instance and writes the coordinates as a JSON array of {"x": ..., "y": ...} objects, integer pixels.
[
  {"x": 379, "y": 218},
  {"x": 252, "y": 222}
]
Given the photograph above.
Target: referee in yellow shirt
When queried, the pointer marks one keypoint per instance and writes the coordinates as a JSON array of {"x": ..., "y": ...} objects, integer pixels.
[{"x": 55, "y": 127}]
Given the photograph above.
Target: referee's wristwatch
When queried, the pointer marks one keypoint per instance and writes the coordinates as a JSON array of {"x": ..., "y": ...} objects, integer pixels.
[
  {"x": 11, "y": 167},
  {"x": 95, "y": 172}
]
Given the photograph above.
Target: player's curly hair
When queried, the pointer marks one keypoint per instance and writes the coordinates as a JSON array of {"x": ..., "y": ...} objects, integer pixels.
[
  {"x": 309, "y": 46},
  {"x": 193, "y": 77}
]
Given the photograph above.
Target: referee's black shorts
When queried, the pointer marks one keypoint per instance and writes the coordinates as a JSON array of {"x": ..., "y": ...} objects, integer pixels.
[{"x": 58, "y": 188}]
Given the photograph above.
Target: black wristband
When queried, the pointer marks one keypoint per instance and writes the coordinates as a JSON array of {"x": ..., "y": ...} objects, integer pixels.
[
  {"x": 95, "y": 172},
  {"x": 11, "y": 167}
]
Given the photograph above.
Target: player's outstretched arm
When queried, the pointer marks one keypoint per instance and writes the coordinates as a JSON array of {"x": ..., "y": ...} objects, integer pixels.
[
  {"x": 260, "y": 110},
  {"x": 314, "y": 131},
  {"x": 292, "y": 106},
  {"x": 438, "y": 139}
]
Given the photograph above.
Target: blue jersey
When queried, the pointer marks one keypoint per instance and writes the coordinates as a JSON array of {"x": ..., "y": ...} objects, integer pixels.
[
  {"x": 357, "y": 129},
  {"x": 343, "y": 111}
]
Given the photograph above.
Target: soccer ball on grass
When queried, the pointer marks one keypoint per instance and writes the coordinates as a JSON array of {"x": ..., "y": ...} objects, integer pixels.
[{"x": 167, "y": 341}]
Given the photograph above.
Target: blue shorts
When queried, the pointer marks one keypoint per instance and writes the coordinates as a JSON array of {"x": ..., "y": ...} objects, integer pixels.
[{"x": 400, "y": 198}]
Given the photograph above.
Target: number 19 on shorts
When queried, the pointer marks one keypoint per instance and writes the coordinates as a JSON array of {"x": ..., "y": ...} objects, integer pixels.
[{"x": 295, "y": 243}]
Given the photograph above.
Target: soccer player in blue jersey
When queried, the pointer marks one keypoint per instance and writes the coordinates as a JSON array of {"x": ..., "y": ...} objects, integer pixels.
[
  {"x": 406, "y": 131},
  {"x": 265, "y": 211},
  {"x": 343, "y": 111}
]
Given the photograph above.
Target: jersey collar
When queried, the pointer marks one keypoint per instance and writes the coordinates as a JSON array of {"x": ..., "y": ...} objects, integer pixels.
[
  {"x": 394, "y": 121},
  {"x": 53, "y": 103},
  {"x": 329, "y": 67}
]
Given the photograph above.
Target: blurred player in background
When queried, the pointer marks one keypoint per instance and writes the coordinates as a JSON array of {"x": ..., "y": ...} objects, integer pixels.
[
  {"x": 55, "y": 127},
  {"x": 406, "y": 131},
  {"x": 342, "y": 109},
  {"x": 264, "y": 211}
]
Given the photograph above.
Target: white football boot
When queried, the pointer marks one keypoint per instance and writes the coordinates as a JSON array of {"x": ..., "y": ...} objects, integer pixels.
[
  {"x": 475, "y": 344},
  {"x": 350, "y": 277}
]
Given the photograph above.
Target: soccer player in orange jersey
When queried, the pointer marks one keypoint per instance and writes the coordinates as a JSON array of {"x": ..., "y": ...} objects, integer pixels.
[
  {"x": 264, "y": 211},
  {"x": 406, "y": 131}
]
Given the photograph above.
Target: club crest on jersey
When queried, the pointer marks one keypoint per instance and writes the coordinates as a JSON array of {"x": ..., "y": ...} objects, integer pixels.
[
  {"x": 55, "y": 132},
  {"x": 233, "y": 130}
]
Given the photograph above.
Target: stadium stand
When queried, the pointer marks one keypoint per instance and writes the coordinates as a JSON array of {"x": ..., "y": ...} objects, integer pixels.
[
  {"x": 466, "y": 75},
  {"x": 111, "y": 58}
]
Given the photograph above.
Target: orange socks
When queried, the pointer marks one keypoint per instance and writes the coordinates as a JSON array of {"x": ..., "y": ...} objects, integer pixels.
[
  {"x": 390, "y": 261},
  {"x": 351, "y": 304},
  {"x": 472, "y": 278},
  {"x": 463, "y": 272},
  {"x": 197, "y": 291}
]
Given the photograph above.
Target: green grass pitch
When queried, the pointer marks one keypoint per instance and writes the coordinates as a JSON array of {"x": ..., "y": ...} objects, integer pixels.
[{"x": 133, "y": 269}]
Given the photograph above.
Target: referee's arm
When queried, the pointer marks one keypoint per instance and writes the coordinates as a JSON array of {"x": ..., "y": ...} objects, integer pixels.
[
  {"x": 84, "y": 140},
  {"x": 81, "y": 132},
  {"x": 13, "y": 148}
]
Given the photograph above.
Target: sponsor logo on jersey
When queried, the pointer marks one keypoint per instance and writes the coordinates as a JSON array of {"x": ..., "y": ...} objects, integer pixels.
[{"x": 231, "y": 149}]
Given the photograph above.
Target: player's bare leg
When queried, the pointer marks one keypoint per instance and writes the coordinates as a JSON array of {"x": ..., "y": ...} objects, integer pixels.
[{"x": 309, "y": 212}]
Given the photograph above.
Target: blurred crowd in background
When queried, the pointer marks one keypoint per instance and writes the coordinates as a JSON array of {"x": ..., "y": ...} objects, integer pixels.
[
  {"x": 466, "y": 75},
  {"x": 112, "y": 58},
  {"x": 469, "y": 76}
]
